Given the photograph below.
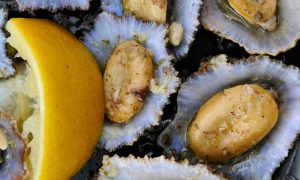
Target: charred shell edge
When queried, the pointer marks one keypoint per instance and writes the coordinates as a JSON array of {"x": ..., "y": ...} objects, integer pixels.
[
  {"x": 18, "y": 150},
  {"x": 186, "y": 13},
  {"x": 158, "y": 166},
  {"x": 285, "y": 78},
  {"x": 6, "y": 67},
  {"x": 108, "y": 31},
  {"x": 239, "y": 37},
  {"x": 53, "y": 5}
]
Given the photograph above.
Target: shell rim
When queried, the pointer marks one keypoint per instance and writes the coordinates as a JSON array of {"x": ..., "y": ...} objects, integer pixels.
[
  {"x": 23, "y": 7},
  {"x": 149, "y": 159}
]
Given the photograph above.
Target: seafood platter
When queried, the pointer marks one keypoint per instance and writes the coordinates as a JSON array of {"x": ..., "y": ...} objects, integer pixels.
[{"x": 149, "y": 89}]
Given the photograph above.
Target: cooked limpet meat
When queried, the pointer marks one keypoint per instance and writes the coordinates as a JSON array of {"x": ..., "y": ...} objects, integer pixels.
[
  {"x": 231, "y": 112},
  {"x": 108, "y": 39},
  {"x": 175, "y": 33},
  {"x": 226, "y": 125},
  {"x": 152, "y": 168},
  {"x": 257, "y": 12},
  {"x": 12, "y": 150},
  {"x": 3, "y": 140},
  {"x": 127, "y": 78},
  {"x": 185, "y": 13},
  {"x": 260, "y": 26},
  {"x": 148, "y": 10},
  {"x": 53, "y": 5},
  {"x": 6, "y": 68}
]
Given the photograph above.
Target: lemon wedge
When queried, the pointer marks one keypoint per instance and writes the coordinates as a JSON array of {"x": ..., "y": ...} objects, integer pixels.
[{"x": 62, "y": 85}]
